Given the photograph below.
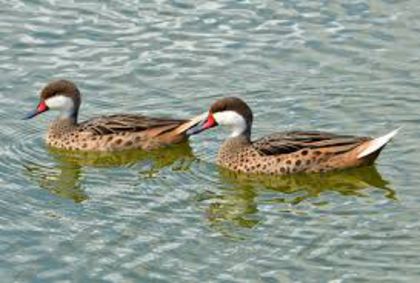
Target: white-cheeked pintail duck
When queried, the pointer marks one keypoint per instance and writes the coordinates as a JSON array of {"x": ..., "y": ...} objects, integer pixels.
[
  {"x": 104, "y": 133},
  {"x": 286, "y": 152}
]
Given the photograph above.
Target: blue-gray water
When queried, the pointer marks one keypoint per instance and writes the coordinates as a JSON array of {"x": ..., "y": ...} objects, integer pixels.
[{"x": 172, "y": 215}]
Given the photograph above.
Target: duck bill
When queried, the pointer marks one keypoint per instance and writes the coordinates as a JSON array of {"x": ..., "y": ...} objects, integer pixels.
[
  {"x": 42, "y": 107},
  {"x": 208, "y": 123}
]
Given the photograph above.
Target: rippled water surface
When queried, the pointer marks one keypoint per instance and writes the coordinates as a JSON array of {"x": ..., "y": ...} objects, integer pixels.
[{"x": 172, "y": 215}]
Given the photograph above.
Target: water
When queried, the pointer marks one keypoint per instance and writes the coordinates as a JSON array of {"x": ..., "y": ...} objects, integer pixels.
[{"x": 172, "y": 215}]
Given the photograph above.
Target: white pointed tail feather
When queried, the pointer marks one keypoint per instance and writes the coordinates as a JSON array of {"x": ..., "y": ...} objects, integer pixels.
[
  {"x": 192, "y": 122},
  {"x": 377, "y": 143}
]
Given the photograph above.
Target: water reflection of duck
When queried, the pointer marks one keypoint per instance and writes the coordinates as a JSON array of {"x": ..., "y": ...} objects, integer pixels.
[
  {"x": 238, "y": 205},
  {"x": 105, "y": 133},
  {"x": 287, "y": 152},
  {"x": 346, "y": 182},
  {"x": 64, "y": 179}
]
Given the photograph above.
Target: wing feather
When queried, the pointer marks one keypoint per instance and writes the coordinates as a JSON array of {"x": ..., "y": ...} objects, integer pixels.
[
  {"x": 289, "y": 142},
  {"x": 115, "y": 124}
]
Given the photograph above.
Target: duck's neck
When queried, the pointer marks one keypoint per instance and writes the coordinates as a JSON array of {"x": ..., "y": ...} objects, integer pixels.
[
  {"x": 235, "y": 144},
  {"x": 239, "y": 137},
  {"x": 63, "y": 125},
  {"x": 240, "y": 140},
  {"x": 68, "y": 117}
]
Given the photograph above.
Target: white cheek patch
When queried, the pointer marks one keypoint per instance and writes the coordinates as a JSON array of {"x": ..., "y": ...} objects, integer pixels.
[
  {"x": 59, "y": 102},
  {"x": 233, "y": 120},
  {"x": 63, "y": 103}
]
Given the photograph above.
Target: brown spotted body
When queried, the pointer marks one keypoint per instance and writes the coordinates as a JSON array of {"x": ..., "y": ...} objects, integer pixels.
[
  {"x": 288, "y": 152},
  {"x": 105, "y": 133},
  {"x": 98, "y": 135}
]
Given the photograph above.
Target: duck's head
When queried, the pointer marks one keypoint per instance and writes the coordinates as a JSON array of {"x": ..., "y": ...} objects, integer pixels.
[
  {"x": 61, "y": 95},
  {"x": 231, "y": 112}
]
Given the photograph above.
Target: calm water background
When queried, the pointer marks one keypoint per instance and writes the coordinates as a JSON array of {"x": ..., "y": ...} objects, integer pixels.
[{"x": 172, "y": 215}]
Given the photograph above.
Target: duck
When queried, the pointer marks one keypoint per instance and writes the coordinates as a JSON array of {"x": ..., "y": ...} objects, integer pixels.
[
  {"x": 288, "y": 152},
  {"x": 110, "y": 133}
]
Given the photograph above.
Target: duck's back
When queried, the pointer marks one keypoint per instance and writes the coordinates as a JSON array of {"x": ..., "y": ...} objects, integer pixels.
[{"x": 292, "y": 142}]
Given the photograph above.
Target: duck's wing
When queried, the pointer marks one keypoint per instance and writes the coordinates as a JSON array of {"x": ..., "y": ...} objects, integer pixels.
[
  {"x": 289, "y": 142},
  {"x": 115, "y": 124}
]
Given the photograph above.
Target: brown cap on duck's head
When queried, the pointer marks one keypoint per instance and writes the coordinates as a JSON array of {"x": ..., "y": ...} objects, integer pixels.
[
  {"x": 59, "y": 95},
  {"x": 232, "y": 112}
]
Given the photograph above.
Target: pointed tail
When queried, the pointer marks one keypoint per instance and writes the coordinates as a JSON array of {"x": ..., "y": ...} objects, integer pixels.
[
  {"x": 190, "y": 123},
  {"x": 377, "y": 144}
]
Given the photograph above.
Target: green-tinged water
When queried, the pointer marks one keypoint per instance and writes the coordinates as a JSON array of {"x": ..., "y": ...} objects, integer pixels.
[{"x": 172, "y": 215}]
